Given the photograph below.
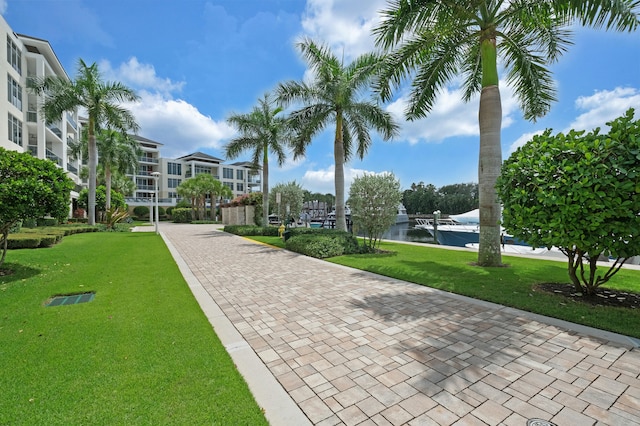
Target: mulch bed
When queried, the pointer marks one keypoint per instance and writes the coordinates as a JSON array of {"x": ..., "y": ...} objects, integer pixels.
[{"x": 603, "y": 297}]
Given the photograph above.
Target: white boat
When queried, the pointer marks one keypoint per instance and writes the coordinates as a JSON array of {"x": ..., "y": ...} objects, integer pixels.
[{"x": 402, "y": 216}]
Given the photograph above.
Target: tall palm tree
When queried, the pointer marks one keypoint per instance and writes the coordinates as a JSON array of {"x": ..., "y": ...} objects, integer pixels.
[
  {"x": 261, "y": 131},
  {"x": 101, "y": 101},
  {"x": 437, "y": 40},
  {"x": 334, "y": 96}
]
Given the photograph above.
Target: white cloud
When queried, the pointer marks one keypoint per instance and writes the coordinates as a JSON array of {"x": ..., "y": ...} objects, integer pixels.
[
  {"x": 175, "y": 123},
  {"x": 604, "y": 106},
  {"x": 521, "y": 141},
  {"x": 449, "y": 117},
  {"x": 140, "y": 76},
  {"x": 322, "y": 180},
  {"x": 343, "y": 24},
  {"x": 178, "y": 125}
]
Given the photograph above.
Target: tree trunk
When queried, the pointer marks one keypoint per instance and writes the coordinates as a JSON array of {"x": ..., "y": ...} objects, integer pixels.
[
  {"x": 107, "y": 180},
  {"x": 490, "y": 156},
  {"x": 490, "y": 162},
  {"x": 93, "y": 164},
  {"x": 338, "y": 153},
  {"x": 265, "y": 186}
]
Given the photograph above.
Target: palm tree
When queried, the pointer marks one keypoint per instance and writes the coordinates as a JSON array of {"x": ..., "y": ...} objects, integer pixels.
[
  {"x": 436, "y": 41},
  {"x": 261, "y": 131},
  {"x": 333, "y": 96},
  {"x": 101, "y": 100},
  {"x": 118, "y": 152}
]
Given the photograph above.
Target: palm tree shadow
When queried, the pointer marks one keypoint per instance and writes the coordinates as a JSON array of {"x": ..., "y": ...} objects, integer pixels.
[{"x": 11, "y": 272}]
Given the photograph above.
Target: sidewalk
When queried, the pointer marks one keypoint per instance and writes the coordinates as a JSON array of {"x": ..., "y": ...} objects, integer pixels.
[{"x": 323, "y": 344}]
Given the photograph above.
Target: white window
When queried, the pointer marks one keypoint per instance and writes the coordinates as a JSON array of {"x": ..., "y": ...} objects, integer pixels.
[
  {"x": 227, "y": 173},
  {"x": 240, "y": 187},
  {"x": 239, "y": 174},
  {"x": 14, "y": 56},
  {"x": 173, "y": 183},
  {"x": 15, "y": 130},
  {"x": 14, "y": 92},
  {"x": 174, "y": 169}
]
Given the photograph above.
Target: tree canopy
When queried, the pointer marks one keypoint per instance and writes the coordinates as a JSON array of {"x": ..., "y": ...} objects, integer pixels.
[
  {"x": 334, "y": 96},
  {"x": 262, "y": 131},
  {"x": 30, "y": 188},
  {"x": 291, "y": 200},
  {"x": 580, "y": 192},
  {"x": 374, "y": 201},
  {"x": 435, "y": 43},
  {"x": 102, "y": 102}
]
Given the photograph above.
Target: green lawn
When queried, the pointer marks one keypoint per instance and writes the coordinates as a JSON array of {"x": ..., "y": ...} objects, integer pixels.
[
  {"x": 142, "y": 352},
  {"x": 514, "y": 286}
]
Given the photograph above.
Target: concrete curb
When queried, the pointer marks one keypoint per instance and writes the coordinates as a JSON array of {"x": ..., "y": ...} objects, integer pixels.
[{"x": 279, "y": 408}]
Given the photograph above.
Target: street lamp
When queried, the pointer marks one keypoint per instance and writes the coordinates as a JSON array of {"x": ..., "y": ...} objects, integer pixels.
[
  {"x": 436, "y": 218},
  {"x": 156, "y": 177}
]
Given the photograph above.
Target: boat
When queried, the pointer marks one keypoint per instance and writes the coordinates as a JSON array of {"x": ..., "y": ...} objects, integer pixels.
[
  {"x": 460, "y": 230},
  {"x": 402, "y": 216}
]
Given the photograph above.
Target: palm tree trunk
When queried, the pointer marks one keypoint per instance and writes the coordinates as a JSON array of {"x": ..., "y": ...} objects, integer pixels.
[
  {"x": 338, "y": 152},
  {"x": 107, "y": 180},
  {"x": 265, "y": 186},
  {"x": 490, "y": 161},
  {"x": 93, "y": 164}
]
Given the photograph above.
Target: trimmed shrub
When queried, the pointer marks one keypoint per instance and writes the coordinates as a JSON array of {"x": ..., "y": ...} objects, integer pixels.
[
  {"x": 49, "y": 240},
  {"x": 169, "y": 210},
  {"x": 319, "y": 246},
  {"x": 47, "y": 221},
  {"x": 322, "y": 243},
  {"x": 181, "y": 215},
  {"x": 22, "y": 241},
  {"x": 29, "y": 223},
  {"x": 252, "y": 230},
  {"x": 141, "y": 211}
]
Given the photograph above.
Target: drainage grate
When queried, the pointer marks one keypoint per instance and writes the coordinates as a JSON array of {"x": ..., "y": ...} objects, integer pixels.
[
  {"x": 539, "y": 422},
  {"x": 70, "y": 299}
]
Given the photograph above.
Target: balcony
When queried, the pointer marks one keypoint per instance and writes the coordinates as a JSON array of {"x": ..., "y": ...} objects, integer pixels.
[
  {"x": 145, "y": 187},
  {"x": 72, "y": 121},
  {"x": 32, "y": 116},
  {"x": 71, "y": 168},
  {"x": 53, "y": 157},
  {"x": 55, "y": 128},
  {"x": 33, "y": 150},
  {"x": 148, "y": 160}
]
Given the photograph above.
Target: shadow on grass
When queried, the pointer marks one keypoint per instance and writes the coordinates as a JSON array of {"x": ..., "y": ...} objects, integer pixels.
[{"x": 11, "y": 272}]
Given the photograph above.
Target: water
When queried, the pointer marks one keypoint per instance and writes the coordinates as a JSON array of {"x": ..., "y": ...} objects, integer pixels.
[{"x": 406, "y": 232}]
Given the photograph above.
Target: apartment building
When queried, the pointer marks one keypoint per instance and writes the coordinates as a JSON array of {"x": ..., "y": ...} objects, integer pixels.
[
  {"x": 239, "y": 177},
  {"x": 22, "y": 128}
]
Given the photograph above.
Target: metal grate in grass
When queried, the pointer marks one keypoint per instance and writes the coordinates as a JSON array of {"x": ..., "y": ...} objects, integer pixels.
[{"x": 71, "y": 299}]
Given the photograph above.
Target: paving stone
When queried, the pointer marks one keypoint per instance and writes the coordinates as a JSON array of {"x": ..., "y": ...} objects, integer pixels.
[{"x": 355, "y": 348}]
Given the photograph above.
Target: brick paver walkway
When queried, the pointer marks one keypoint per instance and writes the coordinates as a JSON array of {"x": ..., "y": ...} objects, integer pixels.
[{"x": 355, "y": 348}]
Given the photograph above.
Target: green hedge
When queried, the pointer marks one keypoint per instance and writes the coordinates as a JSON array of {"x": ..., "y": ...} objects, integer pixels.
[
  {"x": 252, "y": 230},
  {"x": 322, "y": 244},
  {"x": 44, "y": 236}
]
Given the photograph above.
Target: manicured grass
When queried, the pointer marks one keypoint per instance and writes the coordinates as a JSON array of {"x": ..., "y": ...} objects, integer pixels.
[
  {"x": 514, "y": 286},
  {"x": 142, "y": 352}
]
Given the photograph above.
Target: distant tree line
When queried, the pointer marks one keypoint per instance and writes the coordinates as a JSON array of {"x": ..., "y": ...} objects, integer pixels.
[{"x": 424, "y": 198}]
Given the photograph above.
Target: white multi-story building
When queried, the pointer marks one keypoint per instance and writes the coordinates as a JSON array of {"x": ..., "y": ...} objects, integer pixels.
[
  {"x": 240, "y": 177},
  {"x": 22, "y": 127}
]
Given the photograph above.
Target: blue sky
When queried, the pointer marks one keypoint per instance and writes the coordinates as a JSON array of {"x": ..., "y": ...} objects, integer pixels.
[{"x": 194, "y": 62}]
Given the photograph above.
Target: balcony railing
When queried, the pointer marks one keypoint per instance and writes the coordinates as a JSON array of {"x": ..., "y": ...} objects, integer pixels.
[
  {"x": 146, "y": 187},
  {"x": 32, "y": 116},
  {"x": 148, "y": 160},
  {"x": 33, "y": 150},
  {"x": 72, "y": 121},
  {"x": 53, "y": 157},
  {"x": 55, "y": 128},
  {"x": 71, "y": 168}
]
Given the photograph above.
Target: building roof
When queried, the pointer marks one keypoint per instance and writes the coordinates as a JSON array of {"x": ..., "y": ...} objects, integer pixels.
[
  {"x": 142, "y": 139},
  {"x": 248, "y": 164},
  {"x": 200, "y": 156}
]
